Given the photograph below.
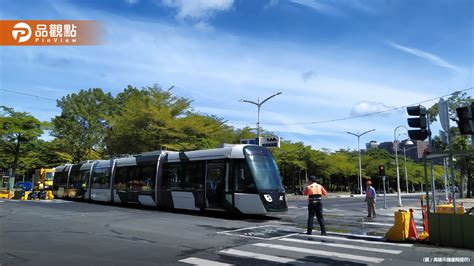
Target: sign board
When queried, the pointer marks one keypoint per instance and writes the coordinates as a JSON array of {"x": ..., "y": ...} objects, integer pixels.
[
  {"x": 396, "y": 145},
  {"x": 443, "y": 114},
  {"x": 270, "y": 142},
  {"x": 421, "y": 146},
  {"x": 264, "y": 141}
]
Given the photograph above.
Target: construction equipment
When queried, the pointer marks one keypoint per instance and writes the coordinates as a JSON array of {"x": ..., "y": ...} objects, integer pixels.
[
  {"x": 43, "y": 183},
  {"x": 44, "y": 176}
]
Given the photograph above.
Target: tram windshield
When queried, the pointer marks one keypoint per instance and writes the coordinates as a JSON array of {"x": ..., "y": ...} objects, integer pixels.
[{"x": 264, "y": 168}]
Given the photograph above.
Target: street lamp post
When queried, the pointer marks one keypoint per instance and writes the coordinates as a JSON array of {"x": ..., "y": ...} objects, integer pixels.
[
  {"x": 396, "y": 162},
  {"x": 259, "y": 104},
  {"x": 358, "y": 150},
  {"x": 405, "y": 156}
]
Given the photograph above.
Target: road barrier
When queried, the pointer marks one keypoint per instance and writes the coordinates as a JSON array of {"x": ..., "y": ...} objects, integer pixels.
[
  {"x": 448, "y": 208},
  {"x": 399, "y": 231},
  {"x": 452, "y": 230}
]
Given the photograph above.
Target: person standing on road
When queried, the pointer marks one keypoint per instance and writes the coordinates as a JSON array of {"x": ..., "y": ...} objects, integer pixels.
[
  {"x": 315, "y": 207},
  {"x": 370, "y": 198}
]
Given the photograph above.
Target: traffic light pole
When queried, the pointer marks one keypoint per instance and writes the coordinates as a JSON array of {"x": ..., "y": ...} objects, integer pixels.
[
  {"x": 384, "y": 194},
  {"x": 430, "y": 144}
]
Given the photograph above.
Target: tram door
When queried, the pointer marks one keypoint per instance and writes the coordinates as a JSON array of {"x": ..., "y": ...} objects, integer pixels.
[{"x": 215, "y": 185}]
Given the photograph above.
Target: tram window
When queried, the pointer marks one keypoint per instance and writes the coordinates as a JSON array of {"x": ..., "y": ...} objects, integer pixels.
[
  {"x": 243, "y": 178},
  {"x": 75, "y": 179},
  {"x": 121, "y": 178},
  {"x": 145, "y": 178},
  {"x": 85, "y": 178},
  {"x": 60, "y": 178},
  {"x": 172, "y": 175},
  {"x": 100, "y": 178},
  {"x": 193, "y": 176}
]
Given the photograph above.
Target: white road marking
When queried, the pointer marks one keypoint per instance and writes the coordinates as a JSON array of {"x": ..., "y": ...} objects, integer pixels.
[
  {"x": 203, "y": 262},
  {"x": 382, "y": 224},
  {"x": 322, "y": 253},
  {"x": 379, "y": 250},
  {"x": 246, "y": 228},
  {"x": 356, "y": 235},
  {"x": 333, "y": 210},
  {"x": 257, "y": 256},
  {"x": 362, "y": 241}
]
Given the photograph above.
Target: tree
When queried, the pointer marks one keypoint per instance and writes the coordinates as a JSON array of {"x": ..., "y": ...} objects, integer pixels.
[
  {"x": 81, "y": 127},
  {"x": 161, "y": 120},
  {"x": 16, "y": 130}
]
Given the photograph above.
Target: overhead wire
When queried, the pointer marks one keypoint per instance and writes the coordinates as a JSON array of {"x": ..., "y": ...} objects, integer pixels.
[
  {"x": 356, "y": 116},
  {"x": 297, "y": 123},
  {"x": 27, "y": 94}
]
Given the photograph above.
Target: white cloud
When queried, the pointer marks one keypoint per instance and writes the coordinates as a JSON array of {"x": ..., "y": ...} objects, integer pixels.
[
  {"x": 204, "y": 26},
  {"x": 198, "y": 9},
  {"x": 318, "y": 6},
  {"x": 367, "y": 107},
  {"x": 434, "y": 59},
  {"x": 270, "y": 4}
]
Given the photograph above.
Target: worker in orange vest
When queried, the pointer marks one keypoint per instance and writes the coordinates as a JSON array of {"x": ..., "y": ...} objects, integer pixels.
[{"x": 315, "y": 207}]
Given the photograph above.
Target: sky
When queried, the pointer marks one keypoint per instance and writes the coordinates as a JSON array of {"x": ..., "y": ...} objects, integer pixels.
[{"x": 330, "y": 60}]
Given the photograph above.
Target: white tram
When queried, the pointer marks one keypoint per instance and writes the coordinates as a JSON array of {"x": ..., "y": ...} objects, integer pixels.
[{"x": 241, "y": 178}]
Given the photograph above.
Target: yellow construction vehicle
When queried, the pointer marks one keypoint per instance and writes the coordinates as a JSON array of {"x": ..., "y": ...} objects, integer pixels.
[
  {"x": 42, "y": 184},
  {"x": 44, "y": 176}
]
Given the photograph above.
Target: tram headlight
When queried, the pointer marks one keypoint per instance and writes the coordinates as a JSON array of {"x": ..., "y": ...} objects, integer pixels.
[{"x": 268, "y": 197}]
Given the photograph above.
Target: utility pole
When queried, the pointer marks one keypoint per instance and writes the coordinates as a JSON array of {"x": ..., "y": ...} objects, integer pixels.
[
  {"x": 396, "y": 162},
  {"x": 259, "y": 104},
  {"x": 358, "y": 150}
]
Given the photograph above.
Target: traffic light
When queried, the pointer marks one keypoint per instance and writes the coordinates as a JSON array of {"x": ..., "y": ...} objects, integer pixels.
[
  {"x": 418, "y": 122},
  {"x": 382, "y": 170},
  {"x": 466, "y": 122}
]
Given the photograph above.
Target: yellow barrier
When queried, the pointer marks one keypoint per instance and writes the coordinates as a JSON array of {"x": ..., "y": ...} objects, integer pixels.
[
  {"x": 448, "y": 208},
  {"x": 399, "y": 231}
]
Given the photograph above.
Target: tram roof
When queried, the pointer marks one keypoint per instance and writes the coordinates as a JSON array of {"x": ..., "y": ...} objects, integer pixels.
[{"x": 235, "y": 151}]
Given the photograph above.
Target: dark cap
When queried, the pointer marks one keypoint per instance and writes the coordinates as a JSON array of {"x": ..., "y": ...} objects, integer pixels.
[{"x": 312, "y": 178}]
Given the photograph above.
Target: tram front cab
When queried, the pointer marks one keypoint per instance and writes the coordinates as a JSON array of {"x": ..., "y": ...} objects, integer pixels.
[{"x": 260, "y": 181}]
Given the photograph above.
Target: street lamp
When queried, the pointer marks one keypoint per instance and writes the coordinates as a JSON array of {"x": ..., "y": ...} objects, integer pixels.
[
  {"x": 358, "y": 150},
  {"x": 258, "y": 104},
  {"x": 409, "y": 142},
  {"x": 396, "y": 162}
]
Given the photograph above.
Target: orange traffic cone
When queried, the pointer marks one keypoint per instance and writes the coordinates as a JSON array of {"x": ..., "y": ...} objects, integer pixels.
[{"x": 412, "y": 233}]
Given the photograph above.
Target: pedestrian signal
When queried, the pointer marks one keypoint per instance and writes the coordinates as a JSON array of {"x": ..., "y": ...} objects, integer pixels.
[{"x": 382, "y": 170}]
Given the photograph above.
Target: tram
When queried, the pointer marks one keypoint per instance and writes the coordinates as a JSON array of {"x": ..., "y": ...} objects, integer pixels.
[{"x": 239, "y": 178}]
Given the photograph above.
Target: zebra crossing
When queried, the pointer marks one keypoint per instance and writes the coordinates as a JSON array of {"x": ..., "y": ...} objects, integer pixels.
[{"x": 298, "y": 248}]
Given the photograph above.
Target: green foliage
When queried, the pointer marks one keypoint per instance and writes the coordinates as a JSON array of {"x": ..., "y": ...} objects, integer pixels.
[
  {"x": 161, "y": 120},
  {"x": 81, "y": 127},
  {"x": 16, "y": 130}
]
